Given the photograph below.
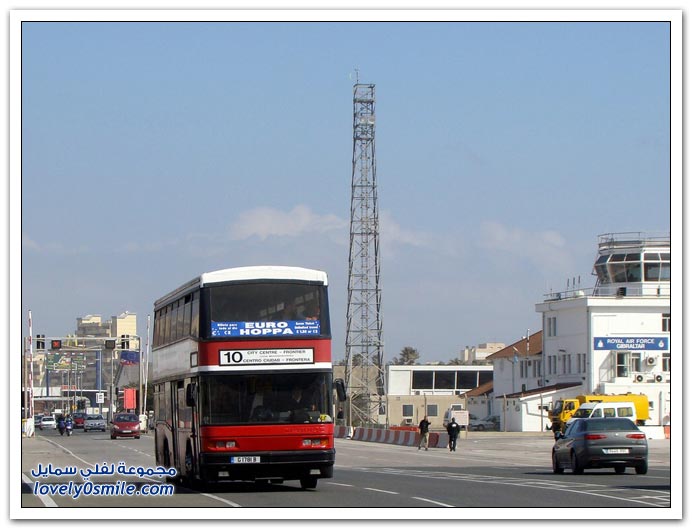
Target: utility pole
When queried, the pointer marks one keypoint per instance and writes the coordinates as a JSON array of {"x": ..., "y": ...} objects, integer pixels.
[{"x": 364, "y": 345}]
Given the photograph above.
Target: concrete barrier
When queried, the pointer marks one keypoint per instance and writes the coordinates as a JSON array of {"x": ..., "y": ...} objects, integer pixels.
[
  {"x": 443, "y": 440},
  {"x": 342, "y": 432},
  {"x": 397, "y": 437}
]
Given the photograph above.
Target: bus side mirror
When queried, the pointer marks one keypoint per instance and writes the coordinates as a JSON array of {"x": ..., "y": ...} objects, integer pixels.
[
  {"x": 340, "y": 389},
  {"x": 190, "y": 395}
]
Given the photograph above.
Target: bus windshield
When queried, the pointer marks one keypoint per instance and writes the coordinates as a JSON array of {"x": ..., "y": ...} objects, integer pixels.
[
  {"x": 285, "y": 398},
  {"x": 267, "y": 310}
]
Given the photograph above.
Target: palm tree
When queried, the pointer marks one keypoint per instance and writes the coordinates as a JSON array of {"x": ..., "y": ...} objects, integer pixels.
[{"x": 407, "y": 357}]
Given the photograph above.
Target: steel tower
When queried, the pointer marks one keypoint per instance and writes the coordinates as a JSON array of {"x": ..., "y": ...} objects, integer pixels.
[{"x": 364, "y": 346}]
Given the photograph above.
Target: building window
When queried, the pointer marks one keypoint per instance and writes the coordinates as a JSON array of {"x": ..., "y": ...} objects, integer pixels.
[
  {"x": 431, "y": 410},
  {"x": 467, "y": 379},
  {"x": 407, "y": 410},
  {"x": 666, "y": 361},
  {"x": 665, "y": 323},
  {"x": 422, "y": 380},
  {"x": 552, "y": 326},
  {"x": 445, "y": 379},
  {"x": 566, "y": 360},
  {"x": 484, "y": 376},
  {"x": 622, "y": 368},
  {"x": 636, "y": 362}
]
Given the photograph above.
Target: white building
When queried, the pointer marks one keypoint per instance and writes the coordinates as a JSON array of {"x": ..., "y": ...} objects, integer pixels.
[
  {"x": 479, "y": 353},
  {"x": 414, "y": 391},
  {"x": 614, "y": 339}
]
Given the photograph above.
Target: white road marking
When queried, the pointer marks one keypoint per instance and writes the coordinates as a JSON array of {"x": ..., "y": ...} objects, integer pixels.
[
  {"x": 606, "y": 492},
  {"x": 46, "y": 500},
  {"x": 222, "y": 500},
  {"x": 433, "y": 501},
  {"x": 380, "y": 490}
]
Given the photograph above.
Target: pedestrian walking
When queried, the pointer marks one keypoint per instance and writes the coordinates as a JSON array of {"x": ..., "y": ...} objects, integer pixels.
[
  {"x": 423, "y": 427},
  {"x": 453, "y": 430}
]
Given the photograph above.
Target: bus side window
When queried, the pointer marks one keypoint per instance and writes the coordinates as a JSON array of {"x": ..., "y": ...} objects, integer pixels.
[
  {"x": 596, "y": 413},
  {"x": 609, "y": 412}
]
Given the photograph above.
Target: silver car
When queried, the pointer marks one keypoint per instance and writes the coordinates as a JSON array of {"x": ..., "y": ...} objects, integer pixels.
[
  {"x": 94, "y": 422},
  {"x": 601, "y": 443},
  {"x": 47, "y": 422}
]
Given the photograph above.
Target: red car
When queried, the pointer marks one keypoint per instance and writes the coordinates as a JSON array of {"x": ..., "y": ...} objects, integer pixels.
[
  {"x": 78, "y": 419},
  {"x": 125, "y": 425}
]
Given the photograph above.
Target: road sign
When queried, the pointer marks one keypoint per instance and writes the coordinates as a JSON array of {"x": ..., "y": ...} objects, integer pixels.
[{"x": 100, "y": 398}]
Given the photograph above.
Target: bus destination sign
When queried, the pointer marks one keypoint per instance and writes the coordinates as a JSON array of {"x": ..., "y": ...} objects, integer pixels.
[{"x": 246, "y": 357}]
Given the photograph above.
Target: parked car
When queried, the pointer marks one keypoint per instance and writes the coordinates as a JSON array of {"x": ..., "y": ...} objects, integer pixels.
[
  {"x": 491, "y": 422},
  {"x": 125, "y": 425},
  {"x": 601, "y": 443},
  {"x": 48, "y": 422},
  {"x": 37, "y": 420},
  {"x": 94, "y": 422},
  {"x": 78, "y": 419}
]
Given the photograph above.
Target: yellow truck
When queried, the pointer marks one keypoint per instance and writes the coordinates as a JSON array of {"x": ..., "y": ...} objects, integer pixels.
[{"x": 563, "y": 409}]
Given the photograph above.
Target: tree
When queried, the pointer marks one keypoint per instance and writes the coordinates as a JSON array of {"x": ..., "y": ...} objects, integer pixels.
[
  {"x": 407, "y": 357},
  {"x": 456, "y": 362}
]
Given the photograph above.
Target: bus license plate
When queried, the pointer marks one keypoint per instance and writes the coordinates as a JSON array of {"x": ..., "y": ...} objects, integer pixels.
[
  {"x": 616, "y": 451},
  {"x": 245, "y": 459}
]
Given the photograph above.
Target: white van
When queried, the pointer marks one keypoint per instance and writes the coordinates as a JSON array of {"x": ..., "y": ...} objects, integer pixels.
[{"x": 605, "y": 410}]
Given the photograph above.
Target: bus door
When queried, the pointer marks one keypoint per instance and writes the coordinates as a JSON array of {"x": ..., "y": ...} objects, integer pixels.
[
  {"x": 177, "y": 387},
  {"x": 184, "y": 443}
]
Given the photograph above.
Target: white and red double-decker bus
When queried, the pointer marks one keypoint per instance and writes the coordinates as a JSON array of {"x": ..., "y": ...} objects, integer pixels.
[{"x": 242, "y": 377}]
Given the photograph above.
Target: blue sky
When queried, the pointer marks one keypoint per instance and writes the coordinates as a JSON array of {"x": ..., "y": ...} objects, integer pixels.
[{"x": 152, "y": 152}]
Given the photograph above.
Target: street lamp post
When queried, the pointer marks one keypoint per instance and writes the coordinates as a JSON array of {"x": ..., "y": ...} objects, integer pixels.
[{"x": 111, "y": 391}]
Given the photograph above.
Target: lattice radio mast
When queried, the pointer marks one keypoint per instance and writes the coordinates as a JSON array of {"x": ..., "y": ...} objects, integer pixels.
[{"x": 364, "y": 346}]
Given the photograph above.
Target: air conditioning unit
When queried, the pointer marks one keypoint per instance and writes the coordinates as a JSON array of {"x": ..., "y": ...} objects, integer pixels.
[
  {"x": 658, "y": 377},
  {"x": 639, "y": 378},
  {"x": 651, "y": 360},
  {"x": 408, "y": 420}
]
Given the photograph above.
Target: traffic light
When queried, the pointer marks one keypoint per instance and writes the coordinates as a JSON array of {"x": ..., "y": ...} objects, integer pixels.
[
  {"x": 56, "y": 344},
  {"x": 124, "y": 341},
  {"x": 40, "y": 342},
  {"x": 110, "y": 344}
]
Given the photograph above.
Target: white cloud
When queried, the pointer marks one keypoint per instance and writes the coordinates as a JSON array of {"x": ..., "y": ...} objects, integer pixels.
[
  {"x": 546, "y": 249},
  {"x": 393, "y": 234},
  {"x": 265, "y": 222},
  {"x": 28, "y": 243},
  {"x": 56, "y": 248}
]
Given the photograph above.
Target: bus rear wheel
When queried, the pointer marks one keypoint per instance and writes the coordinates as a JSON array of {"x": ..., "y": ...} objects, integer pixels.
[{"x": 309, "y": 482}]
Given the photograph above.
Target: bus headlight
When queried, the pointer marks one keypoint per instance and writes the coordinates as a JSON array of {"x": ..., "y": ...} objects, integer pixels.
[
  {"x": 220, "y": 445},
  {"x": 315, "y": 443}
]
